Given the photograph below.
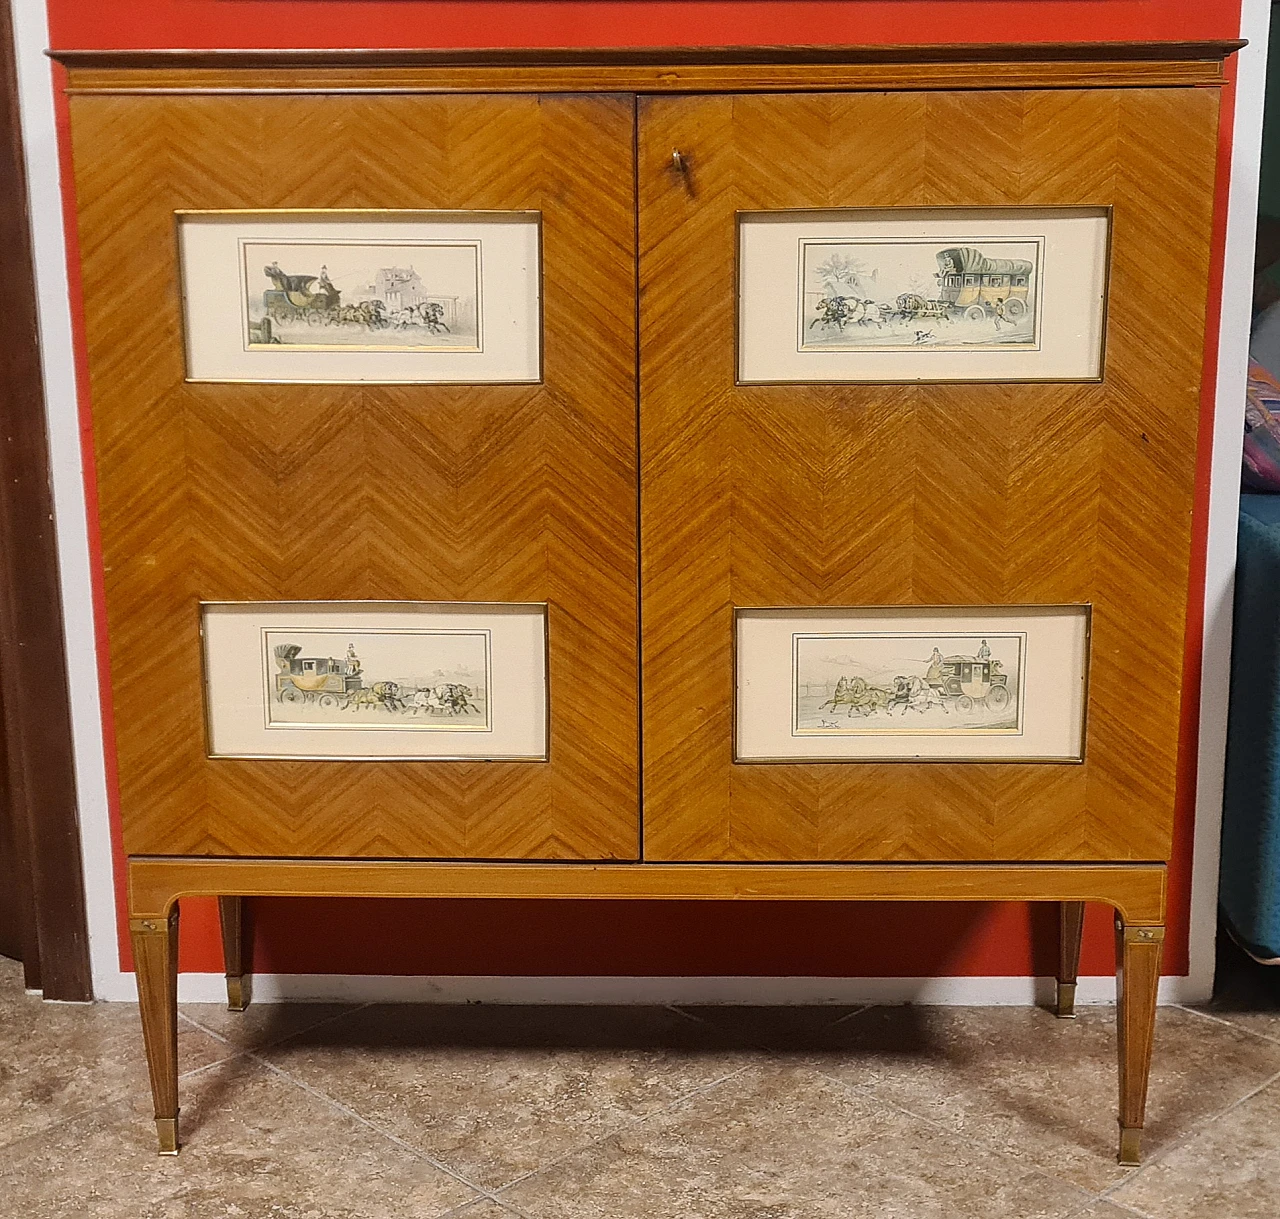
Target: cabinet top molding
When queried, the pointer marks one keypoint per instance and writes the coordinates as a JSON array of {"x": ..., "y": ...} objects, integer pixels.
[{"x": 651, "y": 69}]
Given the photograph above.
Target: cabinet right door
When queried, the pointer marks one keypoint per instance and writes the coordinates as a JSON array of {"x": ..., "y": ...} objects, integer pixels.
[{"x": 955, "y": 364}]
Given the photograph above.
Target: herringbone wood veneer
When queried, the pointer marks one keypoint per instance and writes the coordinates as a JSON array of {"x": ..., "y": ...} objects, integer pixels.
[
  {"x": 830, "y": 495},
  {"x": 452, "y": 493}
]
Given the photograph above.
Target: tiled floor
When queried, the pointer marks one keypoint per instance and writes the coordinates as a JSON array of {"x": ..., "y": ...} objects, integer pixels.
[{"x": 314, "y": 1112}]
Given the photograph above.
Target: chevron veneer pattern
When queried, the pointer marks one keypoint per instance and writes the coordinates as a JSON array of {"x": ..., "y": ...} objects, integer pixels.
[
  {"x": 829, "y": 495},
  {"x": 260, "y": 492}
]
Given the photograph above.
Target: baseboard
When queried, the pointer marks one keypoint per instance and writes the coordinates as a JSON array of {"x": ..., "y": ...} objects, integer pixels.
[{"x": 378, "y": 988}]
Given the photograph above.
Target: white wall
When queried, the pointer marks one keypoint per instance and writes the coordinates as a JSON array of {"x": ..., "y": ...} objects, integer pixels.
[
  {"x": 36, "y": 98},
  {"x": 1224, "y": 498},
  {"x": 69, "y": 497}
]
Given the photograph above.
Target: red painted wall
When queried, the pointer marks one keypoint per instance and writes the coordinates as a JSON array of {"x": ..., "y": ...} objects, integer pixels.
[
  {"x": 413, "y": 23},
  {"x": 677, "y": 938}
]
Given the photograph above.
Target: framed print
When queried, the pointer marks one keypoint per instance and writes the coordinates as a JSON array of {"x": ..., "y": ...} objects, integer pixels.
[
  {"x": 920, "y": 683},
  {"x": 362, "y": 680},
  {"x": 361, "y": 296},
  {"x": 942, "y": 294}
]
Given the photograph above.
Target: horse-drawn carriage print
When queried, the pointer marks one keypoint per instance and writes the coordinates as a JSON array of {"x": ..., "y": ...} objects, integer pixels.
[
  {"x": 377, "y": 679},
  {"x": 361, "y": 295},
  {"x": 910, "y": 682},
  {"x": 927, "y": 293}
]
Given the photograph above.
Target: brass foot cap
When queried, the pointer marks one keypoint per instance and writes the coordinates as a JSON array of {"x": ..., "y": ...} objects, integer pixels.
[
  {"x": 1130, "y": 1140},
  {"x": 237, "y": 993},
  {"x": 167, "y": 1131},
  {"x": 1066, "y": 1000}
]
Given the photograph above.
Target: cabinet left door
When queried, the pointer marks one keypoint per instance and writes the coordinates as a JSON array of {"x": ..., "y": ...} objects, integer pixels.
[{"x": 373, "y": 429}]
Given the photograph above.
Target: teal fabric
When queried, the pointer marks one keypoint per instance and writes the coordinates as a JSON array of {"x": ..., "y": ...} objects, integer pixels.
[{"x": 1249, "y": 892}]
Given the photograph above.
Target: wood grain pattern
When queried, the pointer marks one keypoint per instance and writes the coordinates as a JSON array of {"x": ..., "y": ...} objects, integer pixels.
[
  {"x": 451, "y": 493},
  {"x": 155, "y": 955},
  {"x": 853, "y": 495},
  {"x": 329, "y": 73},
  {"x": 1137, "y": 891},
  {"x": 1138, "y": 951}
]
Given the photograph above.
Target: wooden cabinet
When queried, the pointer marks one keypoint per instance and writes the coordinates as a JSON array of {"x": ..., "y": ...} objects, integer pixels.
[{"x": 639, "y": 490}]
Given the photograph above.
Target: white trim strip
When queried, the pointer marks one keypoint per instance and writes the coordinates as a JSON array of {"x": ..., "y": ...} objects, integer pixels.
[
  {"x": 44, "y": 185},
  {"x": 737, "y": 991},
  {"x": 1224, "y": 495}
]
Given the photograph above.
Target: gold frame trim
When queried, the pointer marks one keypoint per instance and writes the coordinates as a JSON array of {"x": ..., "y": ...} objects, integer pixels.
[
  {"x": 1086, "y": 607},
  {"x": 1103, "y": 209},
  {"x": 406, "y": 214},
  {"x": 544, "y": 607}
]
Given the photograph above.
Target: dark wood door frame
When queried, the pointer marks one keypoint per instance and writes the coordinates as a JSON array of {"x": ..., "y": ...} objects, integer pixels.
[{"x": 37, "y": 789}]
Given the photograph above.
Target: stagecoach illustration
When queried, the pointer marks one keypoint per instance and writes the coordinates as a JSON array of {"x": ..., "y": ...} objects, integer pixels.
[
  {"x": 975, "y": 286},
  {"x": 959, "y": 681},
  {"x": 970, "y": 681},
  {"x": 309, "y": 298},
  {"x": 323, "y": 680},
  {"x": 330, "y": 683},
  {"x": 972, "y": 286},
  {"x": 315, "y": 300}
]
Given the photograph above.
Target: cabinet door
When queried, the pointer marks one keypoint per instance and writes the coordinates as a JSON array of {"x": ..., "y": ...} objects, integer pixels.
[
  {"x": 898, "y": 494},
  {"x": 257, "y": 492}
]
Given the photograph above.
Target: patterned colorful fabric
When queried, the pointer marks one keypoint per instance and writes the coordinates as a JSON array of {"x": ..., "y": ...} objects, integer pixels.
[{"x": 1262, "y": 430}]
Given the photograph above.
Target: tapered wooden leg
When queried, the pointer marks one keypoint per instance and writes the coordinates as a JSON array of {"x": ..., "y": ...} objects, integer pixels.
[
  {"x": 1137, "y": 981},
  {"x": 236, "y": 952},
  {"x": 155, "y": 958},
  {"x": 1070, "y": 932}
]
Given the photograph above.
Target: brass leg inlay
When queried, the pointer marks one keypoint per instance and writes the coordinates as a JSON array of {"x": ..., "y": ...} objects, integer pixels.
[
  {"x": 1066, "y": 1000},
  {"x": 237, "y": 993},
  {"x": 1130, "y": 1146},
  {"x": 167, "y": 1131}
]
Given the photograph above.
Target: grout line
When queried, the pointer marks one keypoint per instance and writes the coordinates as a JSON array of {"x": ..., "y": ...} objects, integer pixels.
[
  {"x": 374, "y": 1126},
  {"x": 483, "y": 1192},
  {"x": 679, "y": 1011},
  {"x": 459, "y": 1212},
  {"x": 1240, "y": 1028},
  {"x": 864, "y": 1091},
  {"x": 758, "y": 1045},
  {"x": 121, "y": 1098},
  {"x": 866, "y": 1007},
  {"x": 217, "y": 1062},
  {"x": 1131, "y": 1210},
  {"x": 1193, "y": 1132},
  {"x": 267, "y": 1045},
  {"x": 622, "y": 1129}
]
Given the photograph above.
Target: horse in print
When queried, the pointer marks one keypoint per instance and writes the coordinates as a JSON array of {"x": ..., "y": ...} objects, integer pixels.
[
  {"x": 451, "y": 699},
  {"x": 914, "y": 694},
  {"x": 858, "y": 695},
  {"x": 385, "y": 694}
]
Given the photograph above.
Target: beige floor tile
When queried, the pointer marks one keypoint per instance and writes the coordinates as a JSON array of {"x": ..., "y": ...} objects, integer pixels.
[
  {"x": 1228, "y": 1170},
  {"x": 1260, "y": 1023},
  {"x": 485, "y": 1208},
  {"x": 497, "y": 1092},
  {"x": 58, "y": 1060},
  {"x": 254, "y": 1147},
  {"x": 785, "y": 1142},
  {"x": 1105, "y": 1210},
  {"x": 1019, "y": 1080}
]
